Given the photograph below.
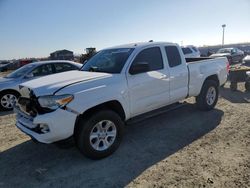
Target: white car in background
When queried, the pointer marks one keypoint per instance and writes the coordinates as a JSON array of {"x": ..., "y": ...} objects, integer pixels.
[{"x": 190, "y": 51}]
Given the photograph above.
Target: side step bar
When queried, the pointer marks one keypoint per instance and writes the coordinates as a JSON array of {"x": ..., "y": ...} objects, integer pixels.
[{"x": 156, "y": 112}]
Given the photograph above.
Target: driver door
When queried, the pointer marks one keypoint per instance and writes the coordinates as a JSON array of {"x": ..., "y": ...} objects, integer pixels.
[{"x": 150, "y": 89}]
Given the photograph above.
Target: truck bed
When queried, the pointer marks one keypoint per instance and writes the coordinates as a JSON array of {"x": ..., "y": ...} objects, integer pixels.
[{"x": 201, "y": 68}]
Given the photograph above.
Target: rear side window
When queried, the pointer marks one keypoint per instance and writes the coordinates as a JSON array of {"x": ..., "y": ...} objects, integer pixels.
[
  {"x": 173, "y": 55},
  {"x": 152, "y": 56},
  {"x": 186, "y": 50}
]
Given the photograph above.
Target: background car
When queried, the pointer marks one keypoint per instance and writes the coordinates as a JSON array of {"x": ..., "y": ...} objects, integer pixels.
[
  {"x": 4, "y": 65},
  {"x": 9, "y": 65},
  {"x": 246, "y": 60},
  {"x": 234, "y": 55},
  {"x": 190, "y": 51},
  {"x": 9, "y": 85}
]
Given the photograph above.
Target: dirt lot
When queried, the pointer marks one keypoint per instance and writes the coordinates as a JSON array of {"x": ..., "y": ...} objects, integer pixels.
[{"x": 181, "y": 148}]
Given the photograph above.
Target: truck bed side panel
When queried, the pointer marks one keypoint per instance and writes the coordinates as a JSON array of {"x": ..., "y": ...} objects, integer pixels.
[{"x": 200, "y": 70}]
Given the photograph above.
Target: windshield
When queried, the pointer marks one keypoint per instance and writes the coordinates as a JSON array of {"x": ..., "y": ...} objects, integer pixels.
[
  {"x": 224, "y": 50},
  {"x": 195, "y": 49},
  {"x": 21, "y": 71},
  {"x": 186, "y": 50},
  {"x": 108, "y": 61}
]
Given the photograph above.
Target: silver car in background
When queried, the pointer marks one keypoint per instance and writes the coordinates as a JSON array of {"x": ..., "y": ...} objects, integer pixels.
[
  {"x": 190, "y": 51},
  {"x": 234, "y": 55},
  {"x": 246, "y": 61},
  {"x": 9, "y": 85}
]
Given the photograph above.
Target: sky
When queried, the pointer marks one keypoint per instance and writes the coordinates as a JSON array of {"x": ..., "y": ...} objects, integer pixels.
[{"x": 35, "y": 28}]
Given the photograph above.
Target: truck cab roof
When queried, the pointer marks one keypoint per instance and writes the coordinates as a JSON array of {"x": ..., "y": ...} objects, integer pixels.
[{"x": 141, "y": 45}]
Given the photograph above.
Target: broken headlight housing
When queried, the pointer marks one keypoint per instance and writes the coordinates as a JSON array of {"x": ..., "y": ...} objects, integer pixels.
[{"x": 55, "y": 101}]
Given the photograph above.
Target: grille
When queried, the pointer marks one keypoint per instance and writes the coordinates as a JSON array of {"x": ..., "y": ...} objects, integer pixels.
[{"x": 27, "y": 106}]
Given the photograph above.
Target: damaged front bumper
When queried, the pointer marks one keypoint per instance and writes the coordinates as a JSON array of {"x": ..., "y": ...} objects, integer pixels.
[{"x": 47, "y": 128}]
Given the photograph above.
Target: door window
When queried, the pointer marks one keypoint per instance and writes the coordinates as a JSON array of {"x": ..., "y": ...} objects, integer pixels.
[
  {"x": 152, "y": 56},
  {"x": 43, "y": 70}
]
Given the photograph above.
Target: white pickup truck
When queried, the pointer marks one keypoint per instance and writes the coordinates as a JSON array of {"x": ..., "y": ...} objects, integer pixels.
[{"x": 115, "y": 85}]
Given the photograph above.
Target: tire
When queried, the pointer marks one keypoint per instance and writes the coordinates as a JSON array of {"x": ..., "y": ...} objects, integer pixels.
[
  {"x": 247, "y": 86},
  {"x": 92, "y": 126},
  {"x": 7, "y": 100},
  {"x": 233, "y": 86},
  {"x": 205, "y": 102}
]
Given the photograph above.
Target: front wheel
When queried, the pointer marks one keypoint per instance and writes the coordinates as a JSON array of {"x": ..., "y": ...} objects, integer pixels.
[
  {"x": 8, "y": 99},
  {"x": 100, "y": 135},
  {"x": 208, "y": 96}
]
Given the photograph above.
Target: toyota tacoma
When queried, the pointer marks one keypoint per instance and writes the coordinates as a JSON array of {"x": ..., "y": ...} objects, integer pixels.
[{"x": 117, "y": 84}]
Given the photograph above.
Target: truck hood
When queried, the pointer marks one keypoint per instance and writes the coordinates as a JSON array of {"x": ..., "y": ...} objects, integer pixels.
[
  {"x": 49, "y": 85},
  {"x": 220, "y": 55}
]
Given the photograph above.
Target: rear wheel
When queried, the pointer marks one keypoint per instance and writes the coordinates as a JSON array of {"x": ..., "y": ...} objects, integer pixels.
[
  {"x": 8, "y": 99},
  {"x": 233, "y": 86},
  {"x": 247, "y": 85},
  {"x": 208, "y": 96},
  {"x": 100, "y": 135}
]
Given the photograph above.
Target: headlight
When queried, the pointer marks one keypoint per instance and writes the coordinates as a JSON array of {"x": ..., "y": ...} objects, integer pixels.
[{"x": 55, "y": 101}]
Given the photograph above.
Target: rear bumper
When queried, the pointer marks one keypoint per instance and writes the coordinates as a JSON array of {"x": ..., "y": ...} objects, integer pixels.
[{"x": 60, "y": 123}]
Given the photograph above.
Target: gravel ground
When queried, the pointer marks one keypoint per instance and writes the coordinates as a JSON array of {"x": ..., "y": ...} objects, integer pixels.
[{"x": 181, "y": 148}]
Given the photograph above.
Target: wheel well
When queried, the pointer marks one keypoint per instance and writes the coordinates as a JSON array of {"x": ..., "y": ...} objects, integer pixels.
[
  {"x": 10, "y": 90},
  {"x": 112, "y": 105},
  {"x": 214, "y": 78}
]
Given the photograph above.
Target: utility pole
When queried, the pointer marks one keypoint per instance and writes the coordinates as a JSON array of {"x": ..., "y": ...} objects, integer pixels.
[{"x": 223, "y": 33}]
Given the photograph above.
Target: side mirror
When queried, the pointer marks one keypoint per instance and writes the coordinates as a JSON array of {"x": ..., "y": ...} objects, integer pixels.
[
  {"x": 139, "y": 67},
  {"x": 28, "y": 76}
]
